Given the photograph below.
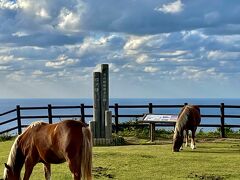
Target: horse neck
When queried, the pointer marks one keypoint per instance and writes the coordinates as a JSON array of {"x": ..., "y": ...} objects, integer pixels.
[
  {"x": 182, "y": 121},
  {"x": 16, "y": 158}
]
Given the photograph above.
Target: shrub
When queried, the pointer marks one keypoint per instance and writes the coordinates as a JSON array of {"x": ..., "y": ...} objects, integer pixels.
[
  {"x": 5, "y": 137},
  {"x": 135, "y": 129},
  {"x": 118, "y": 140}
]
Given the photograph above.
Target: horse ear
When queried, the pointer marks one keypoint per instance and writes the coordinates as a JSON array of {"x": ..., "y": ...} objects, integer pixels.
[{"x": 7, "y": 166}]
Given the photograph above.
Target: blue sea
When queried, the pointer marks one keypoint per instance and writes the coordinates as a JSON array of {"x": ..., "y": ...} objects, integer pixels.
[{"x": 9, "y": 104}]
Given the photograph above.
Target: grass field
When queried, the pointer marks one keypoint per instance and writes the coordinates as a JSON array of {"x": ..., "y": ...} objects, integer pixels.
[{"x": 215, "y": 160}]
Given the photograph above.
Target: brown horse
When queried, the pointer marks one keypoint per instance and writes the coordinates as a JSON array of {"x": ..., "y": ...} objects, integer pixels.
[
  {"x": 69, "y": 141},
  {"x": 188, "y": 119}
]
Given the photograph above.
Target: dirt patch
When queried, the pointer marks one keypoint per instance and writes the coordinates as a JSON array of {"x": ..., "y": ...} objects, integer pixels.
[
  {"x": 99, "y": 172},
  {"x": 205, "y": 176}
]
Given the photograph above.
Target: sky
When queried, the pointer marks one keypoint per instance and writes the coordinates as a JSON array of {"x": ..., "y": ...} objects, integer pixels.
[{"x": 154, "y": 48}]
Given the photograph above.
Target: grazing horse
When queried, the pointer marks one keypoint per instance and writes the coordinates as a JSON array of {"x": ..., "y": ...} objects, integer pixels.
[
  {"x": 68, "y": 140},
  {"x": 188, "y": 119}
]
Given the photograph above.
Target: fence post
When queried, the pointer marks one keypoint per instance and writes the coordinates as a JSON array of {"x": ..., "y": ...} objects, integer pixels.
[
  {"x": 152, "y": 132},
  {"x": 222, "y": 120},
  {"x": 82, "y": 113},
  {"x": 150, "y": 111},
  {"x": 116, "y": 116},
  {"x": 150, "y": 108},
  {"x": 19, "y": 119},
  {"x": 50, "y": 113}
]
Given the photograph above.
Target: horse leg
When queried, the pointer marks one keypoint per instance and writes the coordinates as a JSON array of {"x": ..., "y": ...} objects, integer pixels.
[
  {"x": 29, "y": 164},
  {"x": 193, "y": 146},
  {"x": 47, "y": 171},
  {"x": 186, "y": 138},
  {"x": 75, "y": 168},
  {"x": 183, "y": 134}
]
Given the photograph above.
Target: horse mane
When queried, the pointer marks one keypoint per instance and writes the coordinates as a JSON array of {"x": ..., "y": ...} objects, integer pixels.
[
  {"x": 12, "y": 156},
  {"x": 182, "y": 119},
  {"x": 36, "y": 123},
  {"x": 14, "y": 153}
]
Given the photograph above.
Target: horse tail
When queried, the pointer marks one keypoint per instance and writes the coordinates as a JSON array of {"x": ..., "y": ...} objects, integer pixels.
[{"x": 86, "y": 160}]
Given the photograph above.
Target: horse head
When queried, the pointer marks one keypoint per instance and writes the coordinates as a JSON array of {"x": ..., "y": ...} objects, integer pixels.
[
  {"x": 177, "y": 142},
  {"x": 9, "y": 174}
]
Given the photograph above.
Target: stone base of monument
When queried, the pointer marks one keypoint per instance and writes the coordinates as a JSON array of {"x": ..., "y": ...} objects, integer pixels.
[
  {"x": 102, "y": 142},
  {"x": 106, "y": 140}
]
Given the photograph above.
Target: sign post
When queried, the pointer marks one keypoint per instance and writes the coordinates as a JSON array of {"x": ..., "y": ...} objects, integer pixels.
[{"x": 154, "y": 119}]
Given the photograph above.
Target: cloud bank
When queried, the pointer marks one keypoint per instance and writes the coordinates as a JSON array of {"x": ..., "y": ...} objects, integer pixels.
[{"x": 152, "y": 46}]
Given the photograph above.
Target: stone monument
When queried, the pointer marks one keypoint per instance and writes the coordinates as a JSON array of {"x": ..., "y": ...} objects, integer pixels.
[{"x": 101, "y": 126}]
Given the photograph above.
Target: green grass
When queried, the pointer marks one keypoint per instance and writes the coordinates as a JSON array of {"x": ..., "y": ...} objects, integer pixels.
[{"x": 217, "y": 159}]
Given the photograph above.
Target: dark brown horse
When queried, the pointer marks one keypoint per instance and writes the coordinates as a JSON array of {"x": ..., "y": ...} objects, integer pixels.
[
  {"x": 188, "y": 119},
  {"x": 68, "y": 140}
]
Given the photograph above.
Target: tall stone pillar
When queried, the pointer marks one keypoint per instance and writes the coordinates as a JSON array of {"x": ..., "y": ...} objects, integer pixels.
[
  {"x": 97, "y": 103},
  {"x": 101, "y": 105},
  {"x": 104, "y": 96}
]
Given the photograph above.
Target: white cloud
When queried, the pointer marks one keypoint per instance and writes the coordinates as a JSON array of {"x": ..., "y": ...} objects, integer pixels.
[
  {"x": 20, "y": 34},
  {"x": 143, "y": 58},
  {"x": 136, "y": 42},
  {"x": 61, "y": 62},
  {"x": 211, "y": 70},
  {"x": 113, "y": 68},
  {"x": 25, "y": 4},
  {"x": 4, "y": 67},
  {"x": 7, "y": 4},
  {"x": 229, "y": 40},
  {"x": 68, "y": 20},
  {"x": 223, "y": 55},
  {"x": 43, "y": 13},
  {"x": 6, "y": 59},
  {"x": 193, "y": 34},
  {"x": 150, "y": 69},
  {"x": 61, "y": 39},
  {"x": 172, "y": 8},
  {"x": 16, "y": 76},
  {"x": 89, "y": 45},
  {"x": 174, "y": 53},
  {"x": 129, "y": 66},
  {"x": 37, "y": 73},
  {"x": 97, "y": 68}
]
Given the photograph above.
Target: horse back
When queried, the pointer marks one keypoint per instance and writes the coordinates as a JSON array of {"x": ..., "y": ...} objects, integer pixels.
[
  {"x": 194, "y": 115},
  {"x": 28, "y": 136},
  {"x": 51, "y": 142},
  {"x": 66, "y": 139}
]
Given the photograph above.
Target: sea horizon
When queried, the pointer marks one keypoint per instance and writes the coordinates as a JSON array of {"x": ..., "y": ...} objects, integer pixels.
[{"x": 7, "y": 104}]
